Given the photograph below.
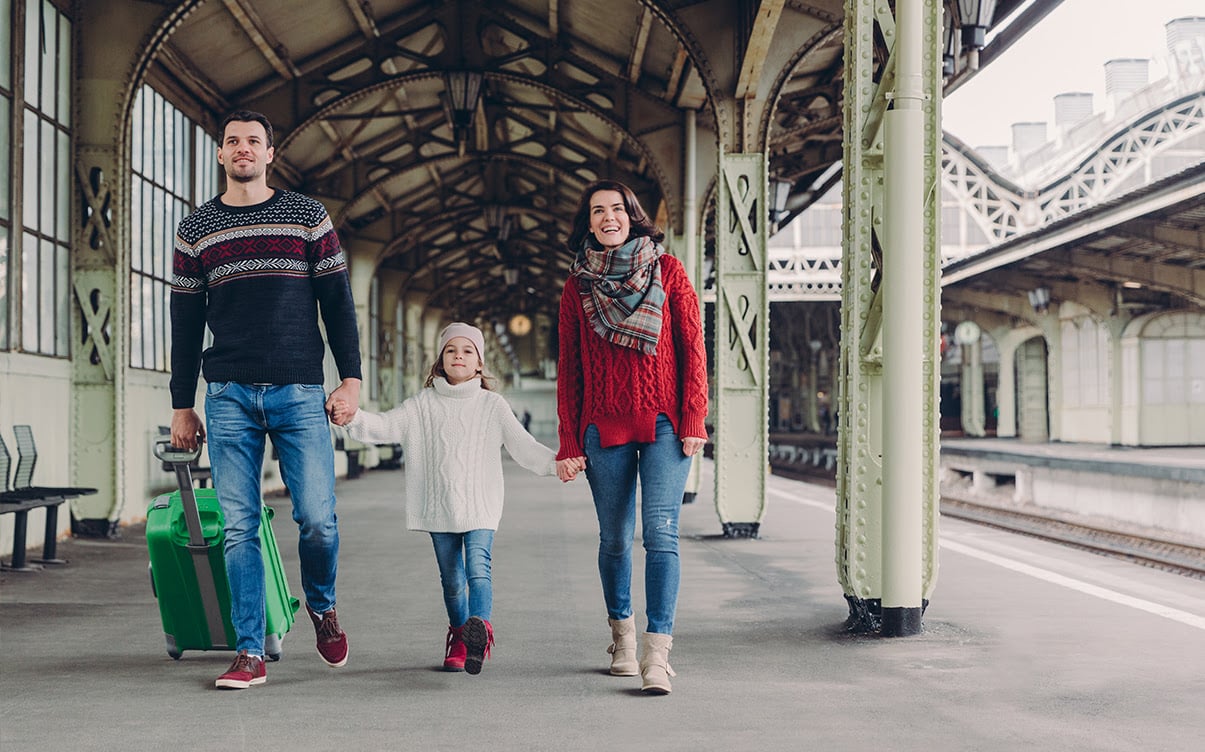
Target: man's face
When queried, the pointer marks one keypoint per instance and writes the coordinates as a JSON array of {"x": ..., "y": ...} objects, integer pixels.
[{"x": 244, "y": 151}]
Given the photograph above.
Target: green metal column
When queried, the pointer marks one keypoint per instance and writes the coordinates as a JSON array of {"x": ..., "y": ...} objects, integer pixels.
[
  {"x": 1033, "y": 422},
  {"x": 741, "y": 345},
  {"x": 361, "y": 267},
  {"x": 692, "y": 258},
  {"x": 1006, "y": 383},
  {"x": 974, "y": 411},
  {"x": 413, "y": 356},
  {"x": 685, "y": 251},
  {"x": 106, "y": 41},
  {"x": 888, "y": 450},
  {"x": 813, "y": 387},
  {"x": 99, "y": 357},
  {"x": 389, "y": 344}
]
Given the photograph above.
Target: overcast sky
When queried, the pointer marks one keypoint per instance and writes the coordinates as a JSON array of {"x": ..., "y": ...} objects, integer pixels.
[{"x": 1065, "y": 52}]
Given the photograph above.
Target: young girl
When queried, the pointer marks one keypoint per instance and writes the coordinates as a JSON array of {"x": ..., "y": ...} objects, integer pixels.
[{"x": 450, "y": 435}]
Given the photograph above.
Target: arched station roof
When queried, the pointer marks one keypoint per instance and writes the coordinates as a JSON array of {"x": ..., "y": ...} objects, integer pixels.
[{"x": 361, "y": 93}]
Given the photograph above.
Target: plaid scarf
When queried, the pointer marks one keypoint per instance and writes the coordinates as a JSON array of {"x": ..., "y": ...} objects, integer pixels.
[{"x": 622, "y": 292}]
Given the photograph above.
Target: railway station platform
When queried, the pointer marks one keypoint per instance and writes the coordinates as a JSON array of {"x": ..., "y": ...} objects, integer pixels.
[
  {"x": 1026, "y": 645},
  {"x": 1153, "y": 492},
  {"x": 1156, "y": 492}
]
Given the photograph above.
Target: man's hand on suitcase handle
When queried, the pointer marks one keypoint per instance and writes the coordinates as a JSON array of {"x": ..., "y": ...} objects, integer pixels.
[{"x": 187, "y": 430}]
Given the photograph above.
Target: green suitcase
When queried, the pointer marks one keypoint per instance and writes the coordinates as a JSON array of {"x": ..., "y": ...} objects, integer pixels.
[{"x": 188, "y": 569}]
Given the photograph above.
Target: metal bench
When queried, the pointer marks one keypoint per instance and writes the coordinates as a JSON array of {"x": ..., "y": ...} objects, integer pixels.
[
  {"x": 24, "y": 497},
  {"x": 391, "y": 457},
  {"x": 354, "y": 450}
]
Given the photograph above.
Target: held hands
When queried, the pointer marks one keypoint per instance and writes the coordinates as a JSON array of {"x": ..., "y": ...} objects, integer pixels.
[
  {"x": 568, "y": 468},
  {"x": 341, "y": 406},
  {"x": 339, "y": 411},
  {"x": 692, "y": 445}
]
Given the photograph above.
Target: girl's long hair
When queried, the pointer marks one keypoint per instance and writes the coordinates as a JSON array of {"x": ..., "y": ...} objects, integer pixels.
[
  {"x": 640, "y": 223},
  {"x": 488, "y": 380}
]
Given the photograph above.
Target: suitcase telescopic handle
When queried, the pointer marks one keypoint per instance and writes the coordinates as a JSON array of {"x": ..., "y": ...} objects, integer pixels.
[
  {"x": 175, "y": 455},
  {"x": 179, "y": 459}
]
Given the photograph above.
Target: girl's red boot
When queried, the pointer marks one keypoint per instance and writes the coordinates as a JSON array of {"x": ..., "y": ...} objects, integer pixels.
[
  {"x": 454, "y": 650},
  {"x": 478, "y": 636}
]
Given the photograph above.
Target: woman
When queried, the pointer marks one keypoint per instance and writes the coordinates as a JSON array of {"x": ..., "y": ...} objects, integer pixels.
[{"x": 631, "y": 399}]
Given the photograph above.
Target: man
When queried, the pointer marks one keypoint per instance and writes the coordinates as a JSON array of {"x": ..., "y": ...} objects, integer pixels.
[{"x": 256, "y": 264}]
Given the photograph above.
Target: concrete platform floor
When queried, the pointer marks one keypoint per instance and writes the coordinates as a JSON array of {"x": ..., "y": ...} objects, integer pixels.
[{"x": 1026, "y": 645}]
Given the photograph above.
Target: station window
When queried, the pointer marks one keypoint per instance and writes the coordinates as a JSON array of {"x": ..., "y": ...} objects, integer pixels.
[
  {"x": 1171, "y": 371},
  {"x": 174, "y": 170},
  {"x": 1085, "y": 348},
  {"x": 819, "y": 226},
  {"x": 42, "y": 248}
]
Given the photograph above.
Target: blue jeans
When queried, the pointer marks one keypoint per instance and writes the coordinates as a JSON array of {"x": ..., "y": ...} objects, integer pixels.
[
  {"x": 464, "y": 573},
  {"x": 612, "y": 471},
  {"x": 238, "y": 418}
]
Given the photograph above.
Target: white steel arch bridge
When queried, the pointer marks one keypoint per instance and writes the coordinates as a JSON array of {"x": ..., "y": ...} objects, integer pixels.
[{"x": 1000, "y": 210}]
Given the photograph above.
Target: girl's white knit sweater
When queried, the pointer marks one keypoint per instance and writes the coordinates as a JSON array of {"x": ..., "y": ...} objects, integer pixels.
[{"x": 451, "y": 437}]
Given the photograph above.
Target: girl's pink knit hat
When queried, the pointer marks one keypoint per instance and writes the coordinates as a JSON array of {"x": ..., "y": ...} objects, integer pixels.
[{"x": 468, "y": 331}]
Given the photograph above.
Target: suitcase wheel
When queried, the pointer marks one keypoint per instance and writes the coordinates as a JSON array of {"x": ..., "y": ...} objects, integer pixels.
[
  {"x": 273, "y": 647},
  {"x": 171, "y": 647}
]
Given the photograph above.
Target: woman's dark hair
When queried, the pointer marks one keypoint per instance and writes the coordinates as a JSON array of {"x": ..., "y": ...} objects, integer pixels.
[
  {"x": 640, "y": 223},
  {"x": 246, "y": 116}
]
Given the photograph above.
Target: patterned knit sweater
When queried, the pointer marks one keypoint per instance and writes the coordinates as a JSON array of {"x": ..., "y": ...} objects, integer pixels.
[
  {"x": 620, "y": 389},
  {"x": 452, "y": 437},
  {"x": 257, "y": 276}
]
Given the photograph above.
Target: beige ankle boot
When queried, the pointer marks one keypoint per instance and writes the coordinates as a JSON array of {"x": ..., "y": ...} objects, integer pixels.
[
  {"x": 654, "y": 663},
  {"x": 623, "y": 647}
]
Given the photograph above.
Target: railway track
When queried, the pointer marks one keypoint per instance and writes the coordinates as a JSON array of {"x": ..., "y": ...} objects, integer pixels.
[
  {"x": 1169, "y": 556},
  {"x": 1184, "y": 559}
]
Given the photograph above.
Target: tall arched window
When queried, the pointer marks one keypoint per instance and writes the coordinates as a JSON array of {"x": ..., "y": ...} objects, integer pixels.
[
  {"x": 174, "y": 170},
  {"x": 45, "y": 191}
]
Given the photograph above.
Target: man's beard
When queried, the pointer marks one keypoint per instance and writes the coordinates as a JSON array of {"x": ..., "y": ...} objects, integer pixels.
[{"x": 250, "y": 177}]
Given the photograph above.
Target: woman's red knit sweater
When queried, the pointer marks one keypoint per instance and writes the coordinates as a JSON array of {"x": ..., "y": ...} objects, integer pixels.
[{"x": 622, "y": 390}]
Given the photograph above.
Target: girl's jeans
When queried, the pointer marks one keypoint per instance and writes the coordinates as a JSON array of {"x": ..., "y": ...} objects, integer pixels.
[{"x": 464, "y": 573}]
